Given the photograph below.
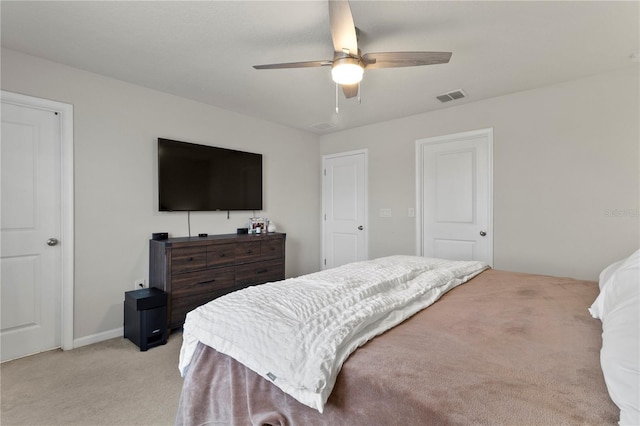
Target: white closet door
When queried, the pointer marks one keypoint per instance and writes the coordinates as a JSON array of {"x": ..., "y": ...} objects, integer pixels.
[
  {"x": 344, "y": 209},
  {"x": 31, "y": 224},
  {"x": 454, "y": 181}
]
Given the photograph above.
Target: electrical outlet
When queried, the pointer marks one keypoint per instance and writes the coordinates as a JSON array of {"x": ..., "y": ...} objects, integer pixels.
[{"x": 141, "y": 283}]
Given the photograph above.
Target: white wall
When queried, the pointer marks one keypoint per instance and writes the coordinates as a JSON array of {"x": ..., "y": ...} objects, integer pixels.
[
  {"x": 566, "y": 184},
  {"x": 566, "y": 173},
  {"x": 116, "y": 126}
]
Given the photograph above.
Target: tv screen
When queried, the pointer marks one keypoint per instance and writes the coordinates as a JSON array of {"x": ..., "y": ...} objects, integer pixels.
[{"x": 195, "y": 177}]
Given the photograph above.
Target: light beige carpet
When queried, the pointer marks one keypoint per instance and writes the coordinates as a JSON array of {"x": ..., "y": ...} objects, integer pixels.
[{"x": 107, "y": 383}]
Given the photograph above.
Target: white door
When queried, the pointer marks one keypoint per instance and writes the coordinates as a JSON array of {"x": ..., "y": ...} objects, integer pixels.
[
  {"x": 30, "y": 150},
  {"x": 455, "y": 201},
  {"x": 344, "y": 201}
]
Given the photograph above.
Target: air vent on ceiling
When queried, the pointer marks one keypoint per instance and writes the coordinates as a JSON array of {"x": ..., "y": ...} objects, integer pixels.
[
  {"x": 322, "y": 127},
  {"x": 452, "y": 96}
]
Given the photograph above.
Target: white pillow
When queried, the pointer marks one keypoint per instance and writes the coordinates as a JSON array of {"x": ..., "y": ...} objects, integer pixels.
[
  {"x": 605, "y": 276},
  {"x": 608, "y": 272},
  {"x": 618, "y": 306}
]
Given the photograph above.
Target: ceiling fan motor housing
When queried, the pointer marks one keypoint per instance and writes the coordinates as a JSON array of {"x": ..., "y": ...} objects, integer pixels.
[{"x": 347, "y": 69}]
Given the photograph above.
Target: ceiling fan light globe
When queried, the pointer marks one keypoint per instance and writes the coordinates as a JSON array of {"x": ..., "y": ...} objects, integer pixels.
[{"x": 347, "y": 73}]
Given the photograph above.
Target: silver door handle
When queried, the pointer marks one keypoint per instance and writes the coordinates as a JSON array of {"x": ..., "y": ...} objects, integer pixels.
[
  {"x": 360, "y": 228},
  {"x": 52, "y": 242},
  {"x": 482, "y": 233}
]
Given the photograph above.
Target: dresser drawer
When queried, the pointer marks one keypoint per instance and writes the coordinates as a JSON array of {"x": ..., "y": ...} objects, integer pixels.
[
  {"x": 259, "y": 272},
  {"x": 247, "y": 251},
  {"x": 221, "y": 254},
  {"x": 203, "y": 282},
  {"x": 272, "y": 249},
  {"x": 180, "y": 306},
  {"x": 188, "y": 259}
]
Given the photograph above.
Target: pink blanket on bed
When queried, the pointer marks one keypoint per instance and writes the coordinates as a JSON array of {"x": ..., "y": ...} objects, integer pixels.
[{"x": 505, "y": 348}]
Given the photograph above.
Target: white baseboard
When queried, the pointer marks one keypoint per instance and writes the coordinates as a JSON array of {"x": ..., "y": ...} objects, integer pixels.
[{"x": 98, "y": 337}]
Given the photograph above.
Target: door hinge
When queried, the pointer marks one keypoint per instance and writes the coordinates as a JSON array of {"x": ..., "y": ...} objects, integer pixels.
[
  {"x": 325, "y": 172},
  {"x": 325, "y": 262}
]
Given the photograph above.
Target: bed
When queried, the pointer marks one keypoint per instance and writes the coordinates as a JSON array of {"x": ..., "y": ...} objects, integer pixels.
[{"x": 497, "y": 348}]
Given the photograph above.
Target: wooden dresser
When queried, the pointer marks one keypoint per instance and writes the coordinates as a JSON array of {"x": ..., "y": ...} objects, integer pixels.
[{"x": 195, "y": 270}]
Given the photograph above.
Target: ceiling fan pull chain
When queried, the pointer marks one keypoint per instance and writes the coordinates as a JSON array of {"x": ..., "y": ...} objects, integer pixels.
[
  {"x": 337, "y": 98},
  {"x": 359, "y": 94}
]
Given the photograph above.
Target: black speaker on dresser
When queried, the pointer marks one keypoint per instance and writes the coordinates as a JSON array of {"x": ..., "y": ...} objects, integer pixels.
[{"x": 145, "y": 317}]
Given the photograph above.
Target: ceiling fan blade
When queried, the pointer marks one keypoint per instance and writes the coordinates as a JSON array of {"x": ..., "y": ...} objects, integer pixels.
[
  {"x": 307, "y": 64},
  {"x": 404, "y": 59},
  {"x": 350, "y": 90},
  {"x": 343, "y": 30}
]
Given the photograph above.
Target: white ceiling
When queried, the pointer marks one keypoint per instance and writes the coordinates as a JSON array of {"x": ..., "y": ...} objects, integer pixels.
[{"x": 204, "y": 50}]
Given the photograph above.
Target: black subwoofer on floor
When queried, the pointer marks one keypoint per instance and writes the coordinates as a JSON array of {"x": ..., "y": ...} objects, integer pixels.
[{"x": 145, "y": 317}]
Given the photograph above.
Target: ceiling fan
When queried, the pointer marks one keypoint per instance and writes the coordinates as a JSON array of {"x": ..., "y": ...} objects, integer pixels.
[{"x": 348, "y": 64}]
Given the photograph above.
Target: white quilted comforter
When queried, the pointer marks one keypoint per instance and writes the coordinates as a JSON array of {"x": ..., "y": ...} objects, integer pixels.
[{"x": 298, "y": 332}]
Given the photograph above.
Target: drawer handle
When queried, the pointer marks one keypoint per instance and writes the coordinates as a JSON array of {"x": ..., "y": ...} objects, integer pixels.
[
  {"x": 207, "y": 282},
  {"x": 262, "y": 271},
  {"x": 221, "y": 254},
  {"x": 190, "y": 259}
]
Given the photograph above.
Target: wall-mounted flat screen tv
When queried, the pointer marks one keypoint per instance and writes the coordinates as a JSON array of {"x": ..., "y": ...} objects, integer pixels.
[{"x": 194, "y": 177}]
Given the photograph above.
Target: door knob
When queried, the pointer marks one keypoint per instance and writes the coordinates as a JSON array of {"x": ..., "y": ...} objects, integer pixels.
[
  {"x": 52, "y": 242},
  {"x": 482, "y": 233},
  {"x": 360, "y": 228}
]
